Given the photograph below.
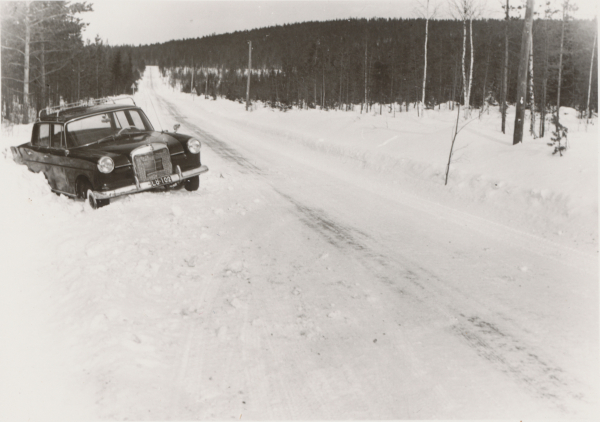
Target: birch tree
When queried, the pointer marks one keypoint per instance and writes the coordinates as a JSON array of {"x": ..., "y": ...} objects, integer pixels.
[
  {"x": 503, "y": 104},
  {"x": 428, "y": 11},
  {"x": 549, "y": 11},
  {"x": 567, "y": 7},
  {"x": 587, "y": 108},
  {"x": 466, "y": 10}
]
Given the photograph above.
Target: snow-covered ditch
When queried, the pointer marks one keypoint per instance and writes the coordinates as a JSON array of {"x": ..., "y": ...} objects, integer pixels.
[{"x": 223, "y": 304}]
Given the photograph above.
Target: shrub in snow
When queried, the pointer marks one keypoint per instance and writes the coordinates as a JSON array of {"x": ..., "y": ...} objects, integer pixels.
[{"x": 559, "y": 133}]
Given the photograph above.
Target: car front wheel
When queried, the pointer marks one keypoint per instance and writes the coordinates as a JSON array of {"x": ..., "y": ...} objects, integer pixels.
[
  {"x": 192, "y": 184},
  {"x": 83, "y": 192}
]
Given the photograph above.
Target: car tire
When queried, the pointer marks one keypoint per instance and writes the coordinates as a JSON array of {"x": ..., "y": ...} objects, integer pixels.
[
  {"x": 83, "y": 189},
  {"x": 192, "y": 184}
]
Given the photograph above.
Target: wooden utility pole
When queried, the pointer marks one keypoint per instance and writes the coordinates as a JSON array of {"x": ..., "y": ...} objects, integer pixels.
[
  {"x": 366, "y": 76},
  {"x": 522, "y": 78},
  {"x": 192, "y": 83},
  {"x": 505, "y": 69},
  {"x": 249, "y": 72}
]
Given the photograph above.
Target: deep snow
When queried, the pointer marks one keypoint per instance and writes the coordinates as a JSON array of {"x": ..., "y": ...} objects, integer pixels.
[{"x": 323, "y": 271}]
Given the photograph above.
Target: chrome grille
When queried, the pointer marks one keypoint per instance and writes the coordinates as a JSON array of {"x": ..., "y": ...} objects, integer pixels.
[{"x": 151, "y": 161}]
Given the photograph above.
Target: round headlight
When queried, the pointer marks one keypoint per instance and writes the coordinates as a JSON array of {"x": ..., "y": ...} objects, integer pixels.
[
  {"x": 106, "y": 165},
  {"x": 193, "y": 145}
]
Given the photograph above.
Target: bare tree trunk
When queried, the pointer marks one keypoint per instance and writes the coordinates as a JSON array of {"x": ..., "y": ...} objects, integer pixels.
[
  {"x": 560, "y": 60},
  {"x": 392, "y": 99},
  {"x": 97, "y": 81},
  {"x": 464, "y": 52},
  {"x": 192, "y": 83},
  {"x": 531, "y": 91},
  {"x": 544, "y": 82},
  {"x": 454, "y": 84},
  {"x": 425, "y": 64},
  {"x": 587, "y": 108},
  {"x": 26, "y": 65},
  {"x": 323, "y": 88},
  {"x": 505, "y": 70},
  {"x": 452, "y": 146},
  {"x": 366, "y": 74},
  {"x": 522, "y": 78},
  {"x": 468, "y": 101},
  {"x": 249, "y": 73},
  {"x": 78, "y": 79},
  {"x": 487, "y": 65},
  {"x": 43, "y": 70},
  {"x": 341, "y": 75}
]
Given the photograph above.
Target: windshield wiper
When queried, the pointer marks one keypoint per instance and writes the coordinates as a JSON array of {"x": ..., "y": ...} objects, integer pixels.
[
  {"x": 112, "y": 137},
  {"x": 109, "y": 137}
]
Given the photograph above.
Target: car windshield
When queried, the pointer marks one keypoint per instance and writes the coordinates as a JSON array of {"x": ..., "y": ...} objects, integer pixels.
[{"x": 100, "y": 126}]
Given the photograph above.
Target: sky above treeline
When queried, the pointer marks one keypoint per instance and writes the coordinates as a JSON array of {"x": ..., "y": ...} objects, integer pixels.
[{"x": 152, "y": 21}]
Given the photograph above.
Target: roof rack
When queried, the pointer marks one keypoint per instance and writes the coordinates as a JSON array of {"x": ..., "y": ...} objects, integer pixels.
[{"x": 81, "y": 104}]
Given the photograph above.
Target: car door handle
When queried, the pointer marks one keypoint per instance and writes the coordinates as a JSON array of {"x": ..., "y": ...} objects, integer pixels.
[
  {"x": 28, "y": 152},
  {"x": 46, "y": 155}
]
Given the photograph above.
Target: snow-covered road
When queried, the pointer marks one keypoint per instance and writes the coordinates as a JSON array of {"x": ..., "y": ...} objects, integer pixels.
[{"x": 295, "y": 285}]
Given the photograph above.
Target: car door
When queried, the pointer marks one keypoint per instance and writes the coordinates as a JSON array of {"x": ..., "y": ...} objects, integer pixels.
[
  {"x": 32, "y": 154},
  {"x": 56, "y": 161}
]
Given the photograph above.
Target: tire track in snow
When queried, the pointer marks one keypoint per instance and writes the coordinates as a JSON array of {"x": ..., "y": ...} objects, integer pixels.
[
  {"x": 507, "y": 354},
  {"x": 540, "y": 377},
  {"x": 218, "y": 146}
]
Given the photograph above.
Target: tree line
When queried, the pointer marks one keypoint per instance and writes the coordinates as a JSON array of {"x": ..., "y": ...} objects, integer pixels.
[
  {"x": 358, "y": 62},
  {"x": 45, "y": 61},
  {"x": 339, "y": 64}
]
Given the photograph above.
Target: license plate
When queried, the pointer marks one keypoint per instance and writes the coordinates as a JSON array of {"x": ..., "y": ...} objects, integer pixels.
[{"x": 161, "y": 181}]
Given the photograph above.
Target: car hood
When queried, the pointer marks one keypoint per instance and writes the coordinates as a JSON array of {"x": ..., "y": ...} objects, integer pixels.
[{"x": 126, "y": 143}]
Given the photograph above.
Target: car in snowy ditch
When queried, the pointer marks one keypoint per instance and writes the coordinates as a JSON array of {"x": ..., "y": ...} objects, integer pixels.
[{"x": 103, "y": 149}]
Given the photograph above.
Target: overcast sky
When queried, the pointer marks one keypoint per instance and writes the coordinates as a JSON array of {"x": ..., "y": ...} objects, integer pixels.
[{"x": 150, "y": 21}]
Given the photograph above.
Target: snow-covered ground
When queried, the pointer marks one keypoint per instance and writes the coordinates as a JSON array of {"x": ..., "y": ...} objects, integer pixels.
[{"x": 322, "y": 271}]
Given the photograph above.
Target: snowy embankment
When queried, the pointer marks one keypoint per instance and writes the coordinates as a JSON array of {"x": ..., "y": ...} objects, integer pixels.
[{"x": 272, "y": 293}]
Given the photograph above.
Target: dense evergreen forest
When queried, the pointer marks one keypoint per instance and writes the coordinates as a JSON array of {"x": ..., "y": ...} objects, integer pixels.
[
  {"x": 331, "y": 65},
  {"x": 337, "y": 64},
  {"x": 44, "y": 59}
]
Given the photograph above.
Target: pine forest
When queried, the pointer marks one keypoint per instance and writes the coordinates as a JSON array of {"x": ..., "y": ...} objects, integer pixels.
[{"x": 332, "y": 65}]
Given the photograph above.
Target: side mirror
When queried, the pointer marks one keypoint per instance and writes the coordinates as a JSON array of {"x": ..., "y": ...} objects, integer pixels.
[{"x": 177, "y": 126}]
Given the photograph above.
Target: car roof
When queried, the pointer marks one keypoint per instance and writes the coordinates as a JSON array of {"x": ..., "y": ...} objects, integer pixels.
[{"x": 83, "y": 111}]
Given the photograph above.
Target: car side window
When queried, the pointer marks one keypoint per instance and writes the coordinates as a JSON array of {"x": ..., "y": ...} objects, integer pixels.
[
  {"x": 56, "y": 139},
  {"x": 43, "y": 138}
]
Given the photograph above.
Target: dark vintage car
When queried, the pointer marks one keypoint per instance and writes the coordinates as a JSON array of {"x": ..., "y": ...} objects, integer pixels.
[{"x": 99, "y": 151}]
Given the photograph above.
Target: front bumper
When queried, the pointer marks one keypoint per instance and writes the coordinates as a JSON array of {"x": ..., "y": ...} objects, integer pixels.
[{"x": 142, "y": 186}]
